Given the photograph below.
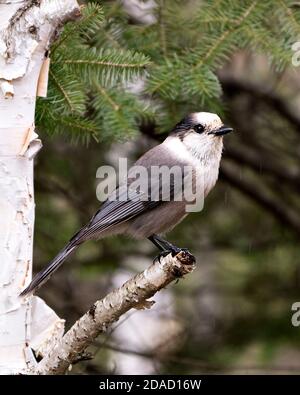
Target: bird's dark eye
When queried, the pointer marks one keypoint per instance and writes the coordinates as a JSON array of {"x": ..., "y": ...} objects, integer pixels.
[{"x": 199, "y": 128}]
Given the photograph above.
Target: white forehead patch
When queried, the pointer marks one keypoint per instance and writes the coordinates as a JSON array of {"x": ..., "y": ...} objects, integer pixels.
[{"x": 207, "y": 118}]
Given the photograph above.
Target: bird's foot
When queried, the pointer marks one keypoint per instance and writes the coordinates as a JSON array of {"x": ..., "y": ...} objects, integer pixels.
[
  {"x": 161, "y": 255},
  {"x": 183, "y": 255}
]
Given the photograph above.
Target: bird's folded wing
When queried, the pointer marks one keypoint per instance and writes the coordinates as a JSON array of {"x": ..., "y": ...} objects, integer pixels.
[
  {"x": 114, "y": 212},
  {"x": 126, "y": 202}
]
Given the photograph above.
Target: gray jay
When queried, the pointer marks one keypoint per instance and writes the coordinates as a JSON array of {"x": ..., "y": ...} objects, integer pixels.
[{"x": 196, "y": 141}]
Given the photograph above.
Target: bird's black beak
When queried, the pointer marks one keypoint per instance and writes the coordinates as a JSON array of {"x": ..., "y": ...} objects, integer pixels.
[{"x": 222, "y": 130}]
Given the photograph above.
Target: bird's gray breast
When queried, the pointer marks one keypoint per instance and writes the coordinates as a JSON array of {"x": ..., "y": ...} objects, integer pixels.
[{"x": 164, "y": 187}]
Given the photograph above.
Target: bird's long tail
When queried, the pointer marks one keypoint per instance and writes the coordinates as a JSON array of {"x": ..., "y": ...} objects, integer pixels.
[{"x": 44, "y": 275}]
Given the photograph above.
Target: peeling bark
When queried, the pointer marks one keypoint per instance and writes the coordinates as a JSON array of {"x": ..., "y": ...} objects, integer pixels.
[
  {"x": 102, "y": 314},
  {"x": 26, "y": 30}
]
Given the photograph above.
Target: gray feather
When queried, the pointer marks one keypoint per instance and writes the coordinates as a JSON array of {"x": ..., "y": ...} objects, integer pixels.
[{"x": 113, "y": 213}]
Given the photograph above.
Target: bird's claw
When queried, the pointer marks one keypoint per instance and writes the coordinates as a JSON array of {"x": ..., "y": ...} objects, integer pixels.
[
  {"x": 183, "y": 255},
  {"x": 162, "y": 255}
]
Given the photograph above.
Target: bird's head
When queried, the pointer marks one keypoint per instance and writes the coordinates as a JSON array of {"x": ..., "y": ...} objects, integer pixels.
[
  {"x": 201, "y": 124},
  {"x": 201, "y": 131}
]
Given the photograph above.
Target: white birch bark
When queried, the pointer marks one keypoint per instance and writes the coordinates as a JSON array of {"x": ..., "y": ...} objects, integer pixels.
[
  {"x": 26, "y": 29},
  {"x": 103, "y": 313}
]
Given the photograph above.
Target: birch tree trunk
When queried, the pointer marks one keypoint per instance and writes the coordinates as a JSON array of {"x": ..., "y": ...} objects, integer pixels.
[{"x": 26, "y": 30}]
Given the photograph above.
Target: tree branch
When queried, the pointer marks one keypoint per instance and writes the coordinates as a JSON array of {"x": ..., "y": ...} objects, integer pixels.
[
  {"x": 133, "y": 294},
  {"x": 254, "y": 161},
  {"x": 233, "y": 86},
  {"x": 27, "y": 27},
  {"x": 257, "y": 193}
]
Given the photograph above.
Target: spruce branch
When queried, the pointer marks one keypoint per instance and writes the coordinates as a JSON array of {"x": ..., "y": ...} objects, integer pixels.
[
  {"x": 290, "y": 15},
  {"x": 103, "y": 63},
  {"x": 235, "y": 24},
  {"x": 91, "y": 20},
  {"x": 107, "y": 97},
  {"x": 109, "y": 66},
  {"x": 71, "y": 94}
]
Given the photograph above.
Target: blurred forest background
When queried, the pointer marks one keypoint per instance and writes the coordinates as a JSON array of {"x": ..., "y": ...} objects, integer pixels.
[{"x": 233, "y": 314}]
